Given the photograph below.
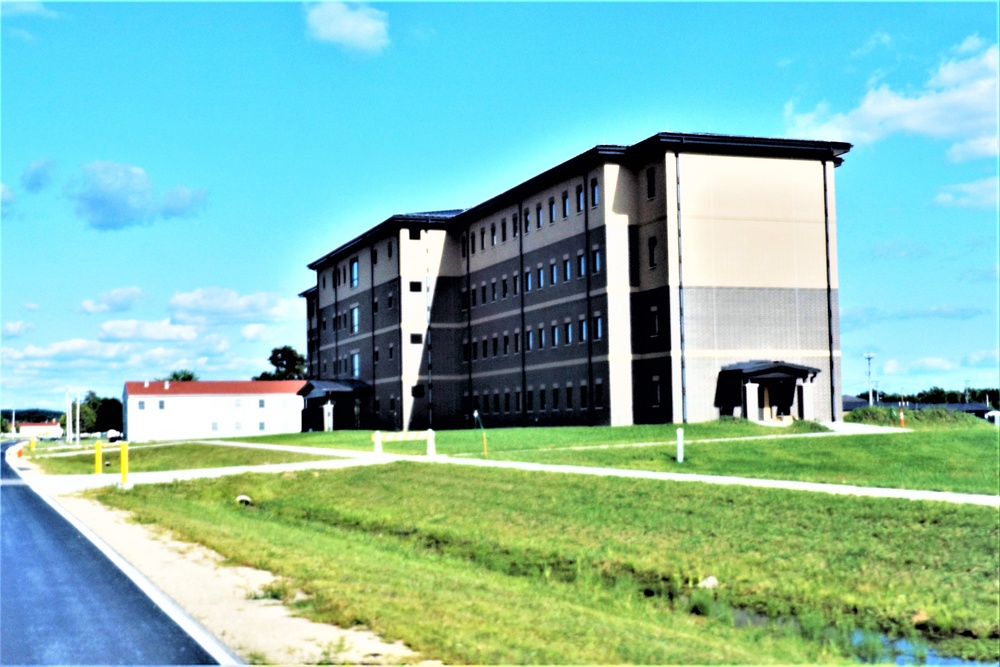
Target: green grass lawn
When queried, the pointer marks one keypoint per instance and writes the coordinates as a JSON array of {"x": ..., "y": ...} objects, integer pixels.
[
  {"x": 960, "y": 460},
  {"x": 504, "y": 566},
  {"x": 184, "y": 456}
]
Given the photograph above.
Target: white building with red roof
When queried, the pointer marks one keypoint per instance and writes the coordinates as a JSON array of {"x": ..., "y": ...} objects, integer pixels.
[
  {"x": 40, "y": 430},
  {"x": 168, "y": 410}
]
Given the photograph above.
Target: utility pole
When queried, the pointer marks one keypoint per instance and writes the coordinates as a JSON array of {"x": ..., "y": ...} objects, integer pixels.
[
  {"x": 966, "y": 391},
  {"x": 877, "y": 398},
  {"x": 869, "y": 356}
]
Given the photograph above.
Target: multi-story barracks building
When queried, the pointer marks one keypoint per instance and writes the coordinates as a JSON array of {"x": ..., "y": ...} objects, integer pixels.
[{"x": 678, "y": 279}]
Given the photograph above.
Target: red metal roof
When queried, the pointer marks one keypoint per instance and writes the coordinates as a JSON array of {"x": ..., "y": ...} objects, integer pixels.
[
  {"x": 213, "y": 387},
  {"x": 51, "y": 423}
]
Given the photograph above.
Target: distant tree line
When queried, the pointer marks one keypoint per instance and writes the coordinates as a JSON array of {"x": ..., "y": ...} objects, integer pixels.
[
  {"x": 96, "y": 414},
  {"x": 937, "y": 395}
]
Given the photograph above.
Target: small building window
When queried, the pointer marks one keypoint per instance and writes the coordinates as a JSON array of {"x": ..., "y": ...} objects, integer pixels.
[
  {"x": 517, "y": 341},
  {"x": 354, "y": 272},
  {"x": 565, "y": 204},
  {"x": 493, "y": 234},
  {"x": 595, "y": 260},
  {"x": 473, "y": 294},
  {"x": 472, "y": 244},
  {"x": 389, "y": 302},
  {"x": 503, "y": 288},
  {"x": 555, "y": 335},
  {"x": 485, "y": 348},
  {"x": 581, "y": 266},
  {"x": 529, "y": 341},
  {"x": 356, "y": 365},
  {"x": 552, "y": 211},
  {"x": 555, "y": 398},
  {"x": 569, "y": 332},
  {"x": 415, "y": 234},
  {"x": 595, "y": 192},
  {"x": 496, "y": 346},
  {"x": 569, "y": 398},
  {"x": 598, "y": 327},
  {"x": 541, "y": 278},
  {"x": 389, "y": 250},
  {"x": 554, "y": 272},
  {"x": 482, "y": 238},
  {"x": 515, "y": 225},
  {"x": 652, "y": 252},
  {"x": 541, "y": 338},
  {"x": 355, "y": 319},
  {"x": 527, "y": 281},
  {"x": 390, "y": 350},
  {"x": 416, "y": 339},
  {"x": 416, "y": 286},
  {"x": 260, "y": 427},
  {"x": 161, "y": 405},
  {"x": 506, "y": 343},
  {"x": 215, "y": 426},
  {"x": 579, "y": 198},
  {"x": 260, "y": 403},
  {"x": 493, "y": 291},
  {"x": 567, "y": 269},
  {"x": 142, "y": 405},
  {"x": 503, "y": 230}
]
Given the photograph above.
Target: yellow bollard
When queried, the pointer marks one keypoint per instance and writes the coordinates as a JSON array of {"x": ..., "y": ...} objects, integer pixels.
[
  {"x": 31, "y": 445},
  {"x": 124, "y": 464},
  {"x": 485, "y": 450},
  {"x": 98, "y": 461}
]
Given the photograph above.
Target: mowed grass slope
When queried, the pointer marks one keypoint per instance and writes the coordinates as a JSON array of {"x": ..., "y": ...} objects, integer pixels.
[
  {"x": 184, "y": 456},
  {"x": 503, "y": 566}
]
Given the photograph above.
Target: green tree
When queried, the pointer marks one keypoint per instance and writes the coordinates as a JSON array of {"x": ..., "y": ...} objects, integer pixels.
[
  {"x": 288, "y": 365},
  {"x": 182, "y": 375},
  {"x": 4, "y": 425}
]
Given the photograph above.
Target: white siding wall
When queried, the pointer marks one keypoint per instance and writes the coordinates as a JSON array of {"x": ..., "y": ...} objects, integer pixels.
[{"x": 224, "y": 416}]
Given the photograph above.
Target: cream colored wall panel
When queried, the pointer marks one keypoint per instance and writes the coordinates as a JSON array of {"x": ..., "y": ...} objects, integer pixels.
[
  {"x": 619, "y": 210},
  {"x": 751, "y": 188}
]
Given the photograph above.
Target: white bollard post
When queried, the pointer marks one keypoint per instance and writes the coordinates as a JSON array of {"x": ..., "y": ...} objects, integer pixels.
[
  {"x": 680, "y": 445},
  {"x": 378, "y": 442},
  {"x": 431, "y": 449}
]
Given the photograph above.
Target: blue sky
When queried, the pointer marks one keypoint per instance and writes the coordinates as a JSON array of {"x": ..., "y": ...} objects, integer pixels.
[{"x": 169, "y": 169}]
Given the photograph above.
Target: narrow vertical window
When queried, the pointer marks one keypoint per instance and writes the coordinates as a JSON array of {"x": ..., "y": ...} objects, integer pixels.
[
  {"x": 472, "y": 244},
  {"x": 503, "y": 289},
  {"x": 527, "y": 281},
  {"x": 595, "y": 257},
  {"x": 555, "y": 398},
  {"x": 598, "y": 327},
  {"x": 538, "y": 213},
  {"x": 567, "y": 269},
  {"x": 374, "y": 256},
  {"x": 493, "y": 234},
  {"x": 569, "y": 332},
  {"x": 482, "y": 238},
  {"x": 503, "y": 230},
  {"x": 583, "y": 330},
  {"x": 541, "y": 278},
  {"x": 552, "y": 211},
  {"x": 581, "y": 266},
  {"x": 595, "y": 192},
  {"x": 496, "y": 346},
  {"x": 355, "y": 319},
  {"x": 517, "y": 342},
  {"x": 555, "y": 335},
  {"x": 354, "y": 272},
  {"x": 579, "y": 198},
  {"x": 389, "y": 249},
  {"x": 493, "y": 291},
  {"x": 541, "y": 338},
  {"x": 652, "y": 252},
  {"x": 506, "y": 343},
  {"x": 565, "y": 204},
  {"x": 554, "y": 274}
]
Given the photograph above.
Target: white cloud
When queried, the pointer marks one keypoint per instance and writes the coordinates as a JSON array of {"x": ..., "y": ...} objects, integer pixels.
[
  {"x": 254, "y": 332},
  {"x": 15, "y": 329},
  {"x": 977, "y": 194},
  {"x": 7, "y": 198},
  {"x": 982, "y": 359},
  {"x": 145, "y": 330},
  {"x": 970, "y": 44},
  {"x": 217, "y": 304},
  {"x": 24, "y": 8},
  {"x": 958, "y": 102},
  {"x": 30, "y": 306},
  {"x": 879, "y": 38},
  {"x": 68, "y": 350},
  {"x": 38, "y": 175},
  {"x": 361, "y": 28},
  {"x": 114, "y": 195},
  {"x": 115, "y": 301}
]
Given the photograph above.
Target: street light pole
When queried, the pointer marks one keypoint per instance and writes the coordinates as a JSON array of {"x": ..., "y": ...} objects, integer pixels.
[{"x": 869, "y": 356}]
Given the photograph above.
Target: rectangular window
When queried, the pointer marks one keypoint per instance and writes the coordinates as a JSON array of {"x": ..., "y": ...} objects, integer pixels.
[
  {"x": 555, "y": 335},
  {"x": 581, "y": 266},
  {"x": 568, "y": 328},
  {"x": 529, "y": 399},
  {"x": 493, "y": 234},
  {"x": 565, "y": 204},
  {"x": 517, "y": 401},
  {"x": 514, "y": 226},
  {"x": 652, "y": 252},
  {"x": 584, "y": 397},
  {"x": 475, "y": 351},
  {"x": 482, "y": 238},
  {"x": 579, "y": 198},
  {"x": 506, "y": 344},
  {"x": 416, "y": 286},
  {"x": 356, "y": 365},
  {"x": 595, "y": 260},
  {"x": 529, "y": 342},
  {"x": 375, "y": 355},
  {"x": 555, "y": 398},
  {"x": 654, "y": 324},
  {"x": 598, "y": 395},
  {"x": 552, "y": 211},
  {"x": 493, "y": 291},
  {"x": 354, "y": 272},
  {"x": 506, "y": 401},
  {"x": 595, "y": 192},
  {"x": 374, "y": 256},
  {"x": 541, "y": 338},
  {"x": 389, "y": 300},
  {"x": 598, "y": 327},
  {"x": 161, "y": 405},
  {"x": 554, "y": 272},
  {"x": 483, "y": 288},
  {"x": 472, "y": 244},
  {"x": 142, "y": 405},
  {"x": 390, "y": 350},
  {"x": 538, "y": 214},
  {"x": 541, "y": 399},
  {"x": 541, "y": 278},
  {"x": 567, "y": 269},
  {"x": 496, "y": 346},
  {"x": 473, "y": 297},
  {"x": 392, "y": 402},
  {"x": 355, "y": 319},
  {"x": 517, "y": 341},
  {"x": 527, "y": 281},
  {"x": 569, "y": 398},
  {"x": 651, "y": 183},
  {"x": 503, "y": 288},
  {"x": 260, "y": 403},
  {"x": 496, "y": 403},
  {"x": 503, "y": 230},
  {"x": 389, "y": 249},
  {"x": 515, "y": 281},
  {"x": 485, "y": 348},
  {"x": 416, "y": 339},
  {"x": 375, "y": 307},
  {"x": 466, "y": 354},
  {"x": 583, "y": 330},
  {"x": 260, "y": 427}
]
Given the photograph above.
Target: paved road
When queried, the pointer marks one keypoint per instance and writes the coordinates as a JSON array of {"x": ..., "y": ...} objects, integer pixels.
[{"x": 63, "y": 602}]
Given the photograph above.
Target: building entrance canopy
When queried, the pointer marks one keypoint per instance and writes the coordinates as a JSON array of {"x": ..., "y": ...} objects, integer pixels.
[
  {"x": 766, "y": 390},
  {"x": 333, "y": 404}
]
